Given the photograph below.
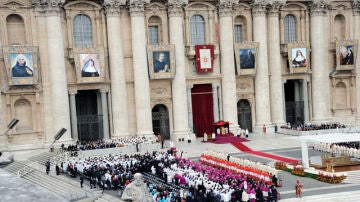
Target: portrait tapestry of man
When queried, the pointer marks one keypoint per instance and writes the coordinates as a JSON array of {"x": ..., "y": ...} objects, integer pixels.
[
  {"x": 21, "y": 65},
  {"x": 298, "y": 57},
  {"x": 346, "y": 55},
  {"x": 89, "y": 65},
  {"x": 247, "y": 58},
  {"x": 161, "y": 61}
]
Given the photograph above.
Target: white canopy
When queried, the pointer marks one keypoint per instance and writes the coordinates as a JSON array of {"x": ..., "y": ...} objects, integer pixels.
[{"x": 331, "y": 138}]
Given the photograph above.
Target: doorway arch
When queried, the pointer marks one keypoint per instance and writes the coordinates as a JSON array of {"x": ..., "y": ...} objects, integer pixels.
[
  {"x": 244, "y": 114},
  {"x": 160, "y": 120}
]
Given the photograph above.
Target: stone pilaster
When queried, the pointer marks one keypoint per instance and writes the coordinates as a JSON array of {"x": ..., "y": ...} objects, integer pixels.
[
  {"x": 356, "y": 17},
  {"x": 55, "y": 48},
  {"x": 180, "y": 108},
  {"x": 276, "y": 91},
  {"x": 74, "y": 128},
  {"x": 306, "y": 100},
  {"x": 141, "y": 78},
  {"x": 104, "y": 107},
  {"x": 189, "y": 104},
  {"x": 228, "y": 80},
  {"x": 320, "y": 76},
  {"x": 262, "y": 101},
  {"x": 215, "y": 101},
  {"x": 116, "y": 62}
]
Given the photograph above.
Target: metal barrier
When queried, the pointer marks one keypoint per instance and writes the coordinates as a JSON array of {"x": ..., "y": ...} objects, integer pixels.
[{"x": 28, "y": 169}]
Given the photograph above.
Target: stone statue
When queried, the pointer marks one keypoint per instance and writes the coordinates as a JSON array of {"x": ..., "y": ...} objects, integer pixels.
[{"x": 137, "y": 191}]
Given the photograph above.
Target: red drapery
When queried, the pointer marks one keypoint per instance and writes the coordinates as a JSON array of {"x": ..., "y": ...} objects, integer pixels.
[{"x": 202, "y": 109}]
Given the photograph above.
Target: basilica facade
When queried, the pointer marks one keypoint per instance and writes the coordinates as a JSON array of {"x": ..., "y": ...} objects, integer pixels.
[{"x": 106, "y": 69}]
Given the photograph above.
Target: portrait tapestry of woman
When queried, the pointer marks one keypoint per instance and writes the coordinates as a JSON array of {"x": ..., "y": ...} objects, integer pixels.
[
  {"x": 346, "y": 55},
  {"x": 299, "y": 57},
  {"x": 161, "y": 61},
  {"x": 247, "y": 58},
  {"x": 89, "y": 67},
  {"x": 21, "y": 65}
]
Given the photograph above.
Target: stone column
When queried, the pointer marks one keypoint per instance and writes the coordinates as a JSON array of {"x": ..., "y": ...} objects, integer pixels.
[
  {"x": 2, "y": 129},
  {"x": 276, "y": 91},
  {"x": 180, "y": 108},
  {"x": 56, "y": 59},
  {"x": 104, "y": 107},
  {"x": 356, "y": 17},
  {"x": 228, "y": 80},
  {"x": 40, "y": 16},
  {"x": 141, "y": 77},
  {"x": 306, "y": 100},
  {"x": 116, "y": 62},
  {"x": 283, "y": 98},
  {"x": 189, "y": 104},
  {"x": 215, "y": 101},
  {"x": 74, "y": 128},
  {"x": 262, "y": 101},
  {"x": 320, "y": 76}
]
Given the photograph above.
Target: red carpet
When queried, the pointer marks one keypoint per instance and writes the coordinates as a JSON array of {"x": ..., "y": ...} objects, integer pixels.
[
  {"x": 227, "y": 139},
  {"x": 246, "y": 149}
]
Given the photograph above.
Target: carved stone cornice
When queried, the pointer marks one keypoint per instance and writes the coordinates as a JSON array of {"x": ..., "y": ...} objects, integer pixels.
[
  {"x": 356, "y": 7},
  {"x": 175, "y": 7},
  {"x": 137, "y": 7},
  {"x": 275, "y": 6},
  {"x": 225, "y": 7},
  {"x": 259, "y": 7},
  {"x": 112, "y": 7},
  {"x": 319, "y": 7},
  {"x": 48, "y": 7}
]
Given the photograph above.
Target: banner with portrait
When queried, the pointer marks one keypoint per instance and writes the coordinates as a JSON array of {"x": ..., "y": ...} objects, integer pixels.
[
  {"x": 22, "y": 65},
  {"x": 89, "y": 63},
  {"x": 299, "y": 57},
  {"x": 161, "y": 60},
  {"x": 204, "y": 55},
  {"x": 245, "y": 56},
  {"x": 346, "y": 51}
]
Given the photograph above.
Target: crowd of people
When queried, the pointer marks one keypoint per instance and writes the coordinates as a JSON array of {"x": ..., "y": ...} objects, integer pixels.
[
  {"x": 346, "y": 148},
  {"x": 310, "y": 126},
  {"x": 171, "y": 178}
]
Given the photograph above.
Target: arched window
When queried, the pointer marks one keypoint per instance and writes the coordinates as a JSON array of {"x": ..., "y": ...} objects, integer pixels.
[
  {"x": 154, "y": 26},
  {"x": 83, "y": 36},
  {"x": 339, "y": 27},
  {"x": 15, "y": 30},
  {"x": 197, "y": 30},
  {"x": 290, "y": 28}
]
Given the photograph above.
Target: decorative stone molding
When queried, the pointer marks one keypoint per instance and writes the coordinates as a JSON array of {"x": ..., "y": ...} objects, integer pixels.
[
  {"x": 48, "y": 7},
  {"x": 137, "y": 7},
  {"x": 356, "y": 7},
  {"x": 259, "y": 7},
  {"x": 319, "y": 7},
  {"x": 175, "y": 7},
  {"x": 104, "y": 90},
  {"x": 225, "y": 7},
  {"x": 275, "y": 6},
  {"x": 73, "y": 92},
  {"x": 112, "y": 7},
  {"x": 159, "y": 91}
]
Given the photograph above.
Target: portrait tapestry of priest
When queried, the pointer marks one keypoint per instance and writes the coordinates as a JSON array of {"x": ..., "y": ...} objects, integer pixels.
[{"x": 137, "y": 191}]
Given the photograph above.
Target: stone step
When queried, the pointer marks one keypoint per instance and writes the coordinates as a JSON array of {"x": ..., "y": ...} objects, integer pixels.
[
  {"x": 16, "y": 166},
  {"x": 108, "y": 198},
  {"x": 43, "y": 157},
  {"x": 353, "y": 177}
]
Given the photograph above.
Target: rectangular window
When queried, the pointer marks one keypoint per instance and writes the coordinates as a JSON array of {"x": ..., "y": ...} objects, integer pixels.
[
  {"x": 153, "y": 35},
  {"x": 238, "y": 33}
]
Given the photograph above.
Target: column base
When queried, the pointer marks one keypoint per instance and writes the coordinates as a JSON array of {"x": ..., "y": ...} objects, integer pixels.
[
  {"x": 259, "y": 127},
  {"x": 146, "y": 134},
  {"x": 233, "y": 128},
  {"x": 183, "y": 135},
  {"x": 320, "y": 120},
  {"x": 119, "y": 135},
  {"x": 357, "y": 121}
]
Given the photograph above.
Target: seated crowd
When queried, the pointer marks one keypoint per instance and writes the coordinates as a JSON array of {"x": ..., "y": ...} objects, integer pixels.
[
  {"x": 102, "y": 144},
  {"x": 310, "y": 126},
  {"x": 346, "y": 148},
  {"x": 172, "y": 179}
]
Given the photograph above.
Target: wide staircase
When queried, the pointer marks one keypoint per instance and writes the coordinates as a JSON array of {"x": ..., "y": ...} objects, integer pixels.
[
  {"x": 34, "y": 171},
  {"x": 353, "y": 177}
]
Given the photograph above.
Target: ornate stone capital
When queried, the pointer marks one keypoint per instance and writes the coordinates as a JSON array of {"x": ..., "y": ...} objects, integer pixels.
[
  {"x": 112, "y": 7},
  {"x": 225, "y": 7},
  {"x": 319, "y": 7},
  {"x": 356, "y": 7},
  {"x": 175, "y": 7},
  {"x": 137, "y": 7},
  {"x": 104, "y": 91},
  {"x": 48, "y": 7},
  {"x": 275, "y": 6},
  {"x": 73, "y": 92},
  {"x": 259, "y": 7}
]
